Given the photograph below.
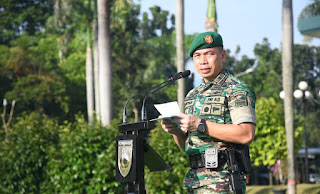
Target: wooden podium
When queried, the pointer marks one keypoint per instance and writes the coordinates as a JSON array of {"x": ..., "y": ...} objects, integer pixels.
[{"x": 132, "y": 153}]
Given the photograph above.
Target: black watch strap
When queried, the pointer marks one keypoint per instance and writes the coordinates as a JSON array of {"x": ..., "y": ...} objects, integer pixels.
[{"x": 202, "y": 126}]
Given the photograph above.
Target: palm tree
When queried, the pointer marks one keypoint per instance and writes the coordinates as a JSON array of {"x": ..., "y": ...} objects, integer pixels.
[
  {"x": 89, "y": 80},
  {"x": 211, "y": 19},
  {"x": 105, "y": 68},
  {"x": 287, "y": 83},
  {"x": 68, "y": 19},
  {"x": 96, "y": 62},
  {"x": 62, "y": 10}
]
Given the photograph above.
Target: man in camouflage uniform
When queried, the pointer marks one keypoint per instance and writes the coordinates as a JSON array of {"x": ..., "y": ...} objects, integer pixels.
[{"x": 219, "y": 113}]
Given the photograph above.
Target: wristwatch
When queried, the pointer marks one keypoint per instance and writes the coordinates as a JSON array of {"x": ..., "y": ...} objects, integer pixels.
[{"x": 202, "y": 126}]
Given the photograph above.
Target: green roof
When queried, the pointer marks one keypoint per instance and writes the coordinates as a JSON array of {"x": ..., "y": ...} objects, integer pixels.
[{"x": 310, "y": 26}]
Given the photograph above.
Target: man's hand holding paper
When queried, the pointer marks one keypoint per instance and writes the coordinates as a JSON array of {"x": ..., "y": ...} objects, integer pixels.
[{"x": 169, "y": 113}]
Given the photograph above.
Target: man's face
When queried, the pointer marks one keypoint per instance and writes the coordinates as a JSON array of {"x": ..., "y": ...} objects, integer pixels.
[{"x": 209, "y": 62}]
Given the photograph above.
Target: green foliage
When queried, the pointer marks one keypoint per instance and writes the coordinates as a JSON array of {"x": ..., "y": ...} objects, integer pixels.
[
  {"x": 20, "y": 16},
  {"x": 306, "y": 66},
  {"x": 28, "y": 55},
  {"x": 141, "y": 57},
  {"x": 33, "y": 77},
  {"x": 270, "y": 133},
  {"x": 312, "y": 124},
  {"x": 159, "y": 22},
  {"x": 24, "y": 153},
  {"x": 268, "y": 72},
  {"x": 39, "y": 93},
  {"x": 84, "y": 161},
  {"x": 55, "y": 57},
  {"x": 270, "y": 138},
  {"x": 45, "y": 54},
  {"x": 160, "y": 46},
  {"x": 39, "y": 156},
  {"x": 5, "y": 75},
  {"x": 5, "y": 53},
  {"x": 167, "y": 181}
]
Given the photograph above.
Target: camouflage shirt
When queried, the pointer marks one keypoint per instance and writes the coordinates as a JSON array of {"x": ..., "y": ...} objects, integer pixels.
[{"x": 225, "y": 100}]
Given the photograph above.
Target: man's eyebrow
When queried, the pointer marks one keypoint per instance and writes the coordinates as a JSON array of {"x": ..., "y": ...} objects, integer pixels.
[
  {"x": 197, "y": 53},
  {"x": 210, "y": 51}
]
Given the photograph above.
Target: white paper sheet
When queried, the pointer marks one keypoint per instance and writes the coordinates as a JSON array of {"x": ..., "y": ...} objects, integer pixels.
[{"x": 167, "y": 110}]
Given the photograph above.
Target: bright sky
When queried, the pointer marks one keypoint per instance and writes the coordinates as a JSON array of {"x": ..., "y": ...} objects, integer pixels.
[{"x": 241, "y": 22}]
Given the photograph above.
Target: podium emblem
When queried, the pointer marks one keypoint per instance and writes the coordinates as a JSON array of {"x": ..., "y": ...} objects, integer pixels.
[{"x": 125, "y": 156}]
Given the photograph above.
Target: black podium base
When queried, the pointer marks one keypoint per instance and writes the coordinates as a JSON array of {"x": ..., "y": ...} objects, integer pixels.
[{"x": 133, "y": 153}]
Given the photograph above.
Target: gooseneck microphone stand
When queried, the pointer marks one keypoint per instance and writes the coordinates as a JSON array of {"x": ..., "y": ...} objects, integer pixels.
[{"x": 132, "y": 150}]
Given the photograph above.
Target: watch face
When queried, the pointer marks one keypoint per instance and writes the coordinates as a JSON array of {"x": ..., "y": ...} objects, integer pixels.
[{"x": 202, "y": 126}]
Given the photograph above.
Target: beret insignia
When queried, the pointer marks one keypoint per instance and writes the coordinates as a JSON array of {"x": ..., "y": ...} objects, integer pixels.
[
  {"x": 205, "y": 40},
  {"x": 208, "y": 39}
]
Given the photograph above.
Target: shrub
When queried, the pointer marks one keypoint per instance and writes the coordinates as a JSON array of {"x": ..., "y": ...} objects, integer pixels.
[
  {"x": 23, "y": 153},
  {"x": 84, "y": 161}
]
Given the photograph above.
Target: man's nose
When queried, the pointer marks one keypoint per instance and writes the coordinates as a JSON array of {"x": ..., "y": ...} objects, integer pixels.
[{"x": 203, "y": 60}]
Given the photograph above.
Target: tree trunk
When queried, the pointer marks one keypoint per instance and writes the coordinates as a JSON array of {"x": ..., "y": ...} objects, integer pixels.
[
  {"x": 287, "y": 83},
  {"x": 89, "y": 81},
  {"x": 136, "y": 113},
  {"x": 96, "y": 69},
  {"x": 255, "y": 172},
  {"x": 105, "y": 68},
  {"x": 270, "y": 177},
  {"x": 180, "y": 51}
]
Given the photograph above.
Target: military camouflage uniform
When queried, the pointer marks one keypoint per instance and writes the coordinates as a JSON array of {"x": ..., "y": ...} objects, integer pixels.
[{"x": 225, "y": 100}]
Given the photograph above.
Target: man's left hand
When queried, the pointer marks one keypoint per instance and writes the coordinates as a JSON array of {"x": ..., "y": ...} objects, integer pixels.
[{"x": 189, "y": 122}]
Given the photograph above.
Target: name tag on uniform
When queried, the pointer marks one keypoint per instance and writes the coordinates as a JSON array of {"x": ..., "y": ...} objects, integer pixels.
[
  {"x": 211, "y": 158},
  {"x": 215, "y": 99}
]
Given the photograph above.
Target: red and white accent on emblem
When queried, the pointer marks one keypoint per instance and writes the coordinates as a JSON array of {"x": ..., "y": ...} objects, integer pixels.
[{"x": 208, "y": 39}]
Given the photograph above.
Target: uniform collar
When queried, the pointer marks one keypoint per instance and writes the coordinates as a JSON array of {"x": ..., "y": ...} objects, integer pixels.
[{"x": 218, "y": 80}]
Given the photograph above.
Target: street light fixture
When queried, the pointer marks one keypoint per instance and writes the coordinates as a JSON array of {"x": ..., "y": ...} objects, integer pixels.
[
  {"x": 304, "y": 95},
  {"x": 303, "y": 85}
]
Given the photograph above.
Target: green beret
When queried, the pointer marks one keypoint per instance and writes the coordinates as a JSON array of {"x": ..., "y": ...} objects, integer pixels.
[{"x": 205, "y": 40}]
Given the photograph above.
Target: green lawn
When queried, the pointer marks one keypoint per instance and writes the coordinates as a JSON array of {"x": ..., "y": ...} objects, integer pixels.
[{"x": 301, "y": 189}]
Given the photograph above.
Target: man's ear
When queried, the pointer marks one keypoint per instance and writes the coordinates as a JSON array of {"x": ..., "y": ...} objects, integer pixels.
[{"x": 224, "y": 55}]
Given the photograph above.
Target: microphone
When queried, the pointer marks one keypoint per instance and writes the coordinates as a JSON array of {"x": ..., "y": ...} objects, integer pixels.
[
  {"x": 184, "y": 74},
  {"x": 173, "y": 78}
]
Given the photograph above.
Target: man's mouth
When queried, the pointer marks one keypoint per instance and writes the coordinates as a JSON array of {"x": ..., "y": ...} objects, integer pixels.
[{"x": 205, "y": 70}]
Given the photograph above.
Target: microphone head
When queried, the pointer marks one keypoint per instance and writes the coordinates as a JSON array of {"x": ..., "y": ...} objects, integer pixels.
[
  {"x": 179, "y": 75},
  {"x": 185, "y": 74}
]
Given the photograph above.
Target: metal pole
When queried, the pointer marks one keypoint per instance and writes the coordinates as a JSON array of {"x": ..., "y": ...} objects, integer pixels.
[{"x": 306, "y": 163}]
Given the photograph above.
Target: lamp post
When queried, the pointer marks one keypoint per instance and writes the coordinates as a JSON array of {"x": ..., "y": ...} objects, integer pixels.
[{"x": 303, "y": 95}]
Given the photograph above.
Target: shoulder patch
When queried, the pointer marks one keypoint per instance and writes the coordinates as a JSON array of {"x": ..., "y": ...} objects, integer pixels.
[
  {"x": 216, "y": 92},
  {"x": 240, "y": 93},
  {"x": 241, "y": 103}
]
